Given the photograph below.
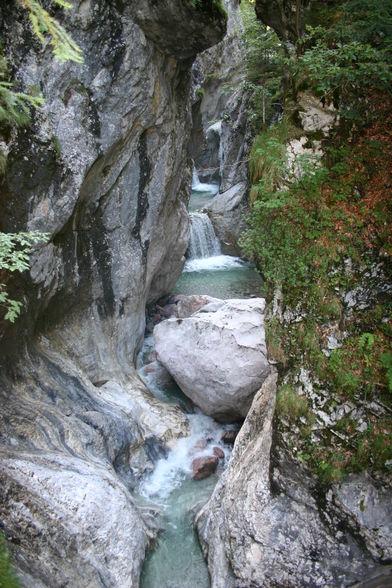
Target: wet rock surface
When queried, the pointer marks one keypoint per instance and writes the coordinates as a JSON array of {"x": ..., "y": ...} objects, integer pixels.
[
  {"x": 202, "y": 467},
  {"x": 229, "y": 436},
  {"x": 217, "y": 356},
  {"x": 221, "y": 137}
]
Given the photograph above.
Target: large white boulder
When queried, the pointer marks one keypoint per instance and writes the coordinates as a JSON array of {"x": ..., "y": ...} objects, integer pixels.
[{"x": 217, "y": 356}]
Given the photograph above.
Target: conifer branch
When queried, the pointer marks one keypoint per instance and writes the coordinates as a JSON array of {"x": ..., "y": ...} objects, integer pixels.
[{"x": 48, "y": 29}]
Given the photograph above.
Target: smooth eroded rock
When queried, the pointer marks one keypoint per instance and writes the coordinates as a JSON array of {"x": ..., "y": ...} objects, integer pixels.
[
  {"x": 70, "y": 455},
  {"x": 219, "y": 452},
  {"x": 217, "y": 356},
  {"x": 188, "y": 305},
  {"x": 75, "y": 522},
  {"x": 227, "y": 211},
  {"x": 229, "y": 436}
]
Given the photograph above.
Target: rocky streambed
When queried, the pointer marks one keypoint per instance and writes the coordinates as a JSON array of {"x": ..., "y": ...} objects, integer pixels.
[{"x": 183, "y": 480}]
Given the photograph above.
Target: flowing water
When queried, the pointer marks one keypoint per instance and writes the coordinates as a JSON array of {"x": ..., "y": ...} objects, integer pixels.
[
  {"x": 203, "y": 241},
  {"x": 176, "y": 560}
]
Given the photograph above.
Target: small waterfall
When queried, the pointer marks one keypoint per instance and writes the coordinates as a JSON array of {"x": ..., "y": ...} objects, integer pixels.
[
  {"x": 203, "y": 241},
  {"x": 198, "y": 186},
  {"x": 195, "y": 180}
]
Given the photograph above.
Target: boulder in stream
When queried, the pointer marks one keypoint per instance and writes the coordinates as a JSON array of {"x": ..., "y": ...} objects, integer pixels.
[
  {"x": 217, "y": 356},
  {"x": 204, "y": 466},
  {"x": 227, "y": 213}
]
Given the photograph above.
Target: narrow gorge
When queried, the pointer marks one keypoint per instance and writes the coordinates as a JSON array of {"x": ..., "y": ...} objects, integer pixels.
[{"x": 193, "y": 394}]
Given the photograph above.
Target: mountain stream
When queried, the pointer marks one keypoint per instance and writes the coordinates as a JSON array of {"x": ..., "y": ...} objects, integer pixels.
[{"x": 176, "y": 560}]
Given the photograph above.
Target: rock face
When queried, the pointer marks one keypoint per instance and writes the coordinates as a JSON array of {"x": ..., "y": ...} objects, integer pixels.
[
  {"x": 227, "y": 211},
  {"x": 80, "y": 514},
  {"x": 217, "y": 356},
  {"x": 104, "y": 170},
  {"x": 214, "y": 71},
  {"x": 70, "y": 454},
  {"x": 367, "y": 510},
  {"x": 255, "y": 534}
]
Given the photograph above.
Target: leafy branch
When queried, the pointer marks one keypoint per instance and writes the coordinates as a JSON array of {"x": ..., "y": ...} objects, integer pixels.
[{"x": 15, "y": 251}]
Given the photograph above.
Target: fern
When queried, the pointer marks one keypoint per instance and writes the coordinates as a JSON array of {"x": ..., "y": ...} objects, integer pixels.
[{"x": 366, "y": 342}]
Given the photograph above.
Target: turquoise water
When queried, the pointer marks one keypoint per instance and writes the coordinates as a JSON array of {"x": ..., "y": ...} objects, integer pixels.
[
  {"x": 199, "y": 200},
  {"x": 233, "y": 279},
  {"x": 176, "y": 560}
]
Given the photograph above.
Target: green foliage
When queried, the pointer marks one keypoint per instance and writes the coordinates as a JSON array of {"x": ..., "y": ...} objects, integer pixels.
[
  {"x": 286, "y": 228},
  {"x": 268, "y": 162},
  {"x": 374, "y": 446},
  {"x": 264, "y": 55},
  {"x": 8, "y": 578},
  {"x": 330, "y": 470},
  {"x": 303, "y": 230},
  {"x": 48, "y": 30},
  {"x": 16, "y": 248},
  {"x": 15, "y": 106},
  {"x": 56, "y": 145},
  {"x": 15, "y": 251},
  {"x": 345, "y": 60},
  {"x": 386, "y": 363},
  {"x": 371, "y": 449},
  {"x": 344, "y": 372},
  {"x": 200, "y": 92},
  {"x": 290, "y": 405}
]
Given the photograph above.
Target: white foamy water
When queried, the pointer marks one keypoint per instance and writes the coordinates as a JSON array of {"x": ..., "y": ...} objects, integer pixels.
[
  {"x": 203, "y": 242},
  {"x": 198, "y": 186},
  {"x": 171, "y": 471},
  {"x": 214, "y": 263}
]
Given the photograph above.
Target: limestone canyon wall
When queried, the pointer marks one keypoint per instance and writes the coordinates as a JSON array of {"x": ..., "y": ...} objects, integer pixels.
[{"x": 104, "y": 169}]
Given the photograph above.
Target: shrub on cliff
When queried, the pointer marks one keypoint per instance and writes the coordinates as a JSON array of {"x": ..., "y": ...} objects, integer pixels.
[
  {"x": 323, "y": 239},
  {"x": 349, "y": 56}
]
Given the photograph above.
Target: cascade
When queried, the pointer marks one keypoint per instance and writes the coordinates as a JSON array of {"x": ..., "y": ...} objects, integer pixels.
[
  {"x": 203, "y": 241},
  {"x": 198, "y": 186}
]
